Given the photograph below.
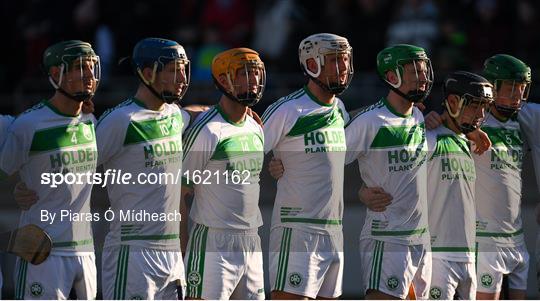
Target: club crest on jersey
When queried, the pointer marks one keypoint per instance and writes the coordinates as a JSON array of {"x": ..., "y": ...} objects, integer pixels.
[
  {"x": 392, "y": 283},
  {"x": 486, "y": 280},
  {"x": 36, "y": 289},
  {"x": 295, "y": 279},
  {"x": 435, "y": 293},
  {"x": 194, "y": 278},
  {"x": 87, "y": 132}
]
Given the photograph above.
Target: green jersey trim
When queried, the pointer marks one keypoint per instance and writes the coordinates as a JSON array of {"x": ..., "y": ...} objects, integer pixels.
[
  {"x": 499, "y": 234},
  {"x": 150, "y": 237},
  {"x": 395, "y": 136},
  {"x": 65, "y": 244},
  {"x": 222, "y": 113},
  {"x": 195, "y": 129},
  {"x": 453, "y": 249},
  {"x": 48, "y": 104},
  {"x": 63, "y": 136},
  {"x": 392, "y": 110},
  {"x": 237, "y": 146},
  {"x": 450, "y": 144},
  {"x": 315, "y": 99},
  {"x": 311, "y": 221},
  {"x": 310, "y": 123},
  {"x": 503, "y": 137},
  {"x": 153, "y": 129},
  {"x": 273, "y": 107},
  {"x": 398, "y": 233}
]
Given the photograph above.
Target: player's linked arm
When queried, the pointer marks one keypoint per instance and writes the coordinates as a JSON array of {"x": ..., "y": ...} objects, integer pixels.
[{"x": 184, "y": 211}]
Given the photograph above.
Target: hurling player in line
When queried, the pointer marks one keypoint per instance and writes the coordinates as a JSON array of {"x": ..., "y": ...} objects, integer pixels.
[
  {"x": 223, "y": 157},
  {"x": 56, "y": 136},
  {"x": 451, "y": 179},
  {"x": 305, "y": 130}
]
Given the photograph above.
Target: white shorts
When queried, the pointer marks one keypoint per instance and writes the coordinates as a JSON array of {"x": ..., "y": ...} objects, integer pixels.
[
  {"x": 130, "y": 272},
  {"x": 451, "y": 277},
  {"x": 493, "y": 262},
  {"x": 306, "y": 264},
  {"x": 55, "y": 277},
  {"x": 392, "y": 268},
  {"x": 224, "y": 264}
]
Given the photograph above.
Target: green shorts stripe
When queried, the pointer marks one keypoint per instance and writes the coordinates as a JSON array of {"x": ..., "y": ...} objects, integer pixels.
[
  {"x": 120, "y": 281},
  {"x": 376, "y": 265},
  {"x": 21, "y": 280},
  {"x": 196, "y": 261},
  {"x": 283, "y": 261}
]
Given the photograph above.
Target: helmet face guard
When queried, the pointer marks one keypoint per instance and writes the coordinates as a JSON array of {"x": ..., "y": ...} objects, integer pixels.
[
  {"x": 475, "y": 96},
  {"x": 329, "y": 51},
  {"x": 249, "y": 82},
  {"x": 508, "y": 74},
  {"x": 181, "y": 76},
  {"x": 169, "y": 65},
  {"x": 244, "y": 74},
  {"x": 466, "y": 121},
  {"x": 80, "y": 69},
  {"x": 396, "y": 58},
  {"x": 423, "y": 79},
  {"x": 80, "y": 74},
  {"x": 512, "y": 93}
]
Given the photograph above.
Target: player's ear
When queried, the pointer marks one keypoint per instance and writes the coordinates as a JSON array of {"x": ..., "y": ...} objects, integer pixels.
[
  {"x": 222, "y": 79},
  {"x": 453, "y": 101},
  {"x": 312, "y": 65},
  {"x": 391, "y": 77},
  {"x": 54, "y": 71}
]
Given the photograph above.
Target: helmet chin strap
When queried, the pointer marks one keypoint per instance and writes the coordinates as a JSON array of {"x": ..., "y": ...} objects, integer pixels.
[
  {"x": 506, "y": 112},
  {"x": 332, "y": 90}
]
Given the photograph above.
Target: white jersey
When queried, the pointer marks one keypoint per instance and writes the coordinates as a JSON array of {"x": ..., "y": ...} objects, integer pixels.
[
  {"x": 148, "y": 145},
  {"x": 498, "y": 185},
  {"x": 451, "y": 177},
  {"x": 391, "y": 150},
  {"x": 308, "y": 136},
  {"x": 42, "y": 141},
  {"x": 529, "y": 121},
  {"x": 222, "y": 162},
  {"x": 5, "y": 122}
]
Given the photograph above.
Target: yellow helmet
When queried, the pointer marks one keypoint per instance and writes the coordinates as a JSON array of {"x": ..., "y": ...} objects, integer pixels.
[{"x": 228, "y": 63}]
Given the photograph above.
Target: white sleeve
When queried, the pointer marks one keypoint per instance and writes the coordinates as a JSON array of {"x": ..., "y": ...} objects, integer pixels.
[
  {"x": 110, "y": 136},
  {"x": 357, "y": 138},
  {"x": 15, "y": 150},
  {"x": 199, "y": 148},
  {"x": 276, "y": 124},
  {"x": 343, "y": 111},
  {"x": 5, "y": 122},
  {"x": 186, "y": 119},
  {"x": 529, "y": 121}
]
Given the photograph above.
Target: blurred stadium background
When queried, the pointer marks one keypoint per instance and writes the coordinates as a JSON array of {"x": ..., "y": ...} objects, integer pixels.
[{"x": 457, "y": 34}]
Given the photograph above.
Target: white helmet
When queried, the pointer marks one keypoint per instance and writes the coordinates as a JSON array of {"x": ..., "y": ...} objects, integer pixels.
[{"x": 317, "y": 47}]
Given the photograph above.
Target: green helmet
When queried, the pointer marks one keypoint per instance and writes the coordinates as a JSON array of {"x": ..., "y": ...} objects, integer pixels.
[
  {"x": 394, "y": 58},
  {"x": 506, "y": 68},
  {"x": 62, "y": 55}
]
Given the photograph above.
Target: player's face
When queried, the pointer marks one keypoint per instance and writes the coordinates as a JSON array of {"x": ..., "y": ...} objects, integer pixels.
[
  {"x": 474, "y": 113},
  {"x": 81, "y": 76},
  {"x": 173, "y": 78},
  {"x": 415, "y": 77},
  {"x": 248, "y": 80},
  {"x": 336, "y": 68},
  {"x": 510, "y": 93}
]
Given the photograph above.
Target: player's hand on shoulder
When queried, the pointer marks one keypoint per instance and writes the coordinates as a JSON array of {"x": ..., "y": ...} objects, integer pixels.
[
  {"x": 375, "y": 198},
  {"x": 481, "y": 141},
  {"x": 275, "y": 167},
  {"x": 433, "y": 120},
  {"x": 24, "y": 197}
]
